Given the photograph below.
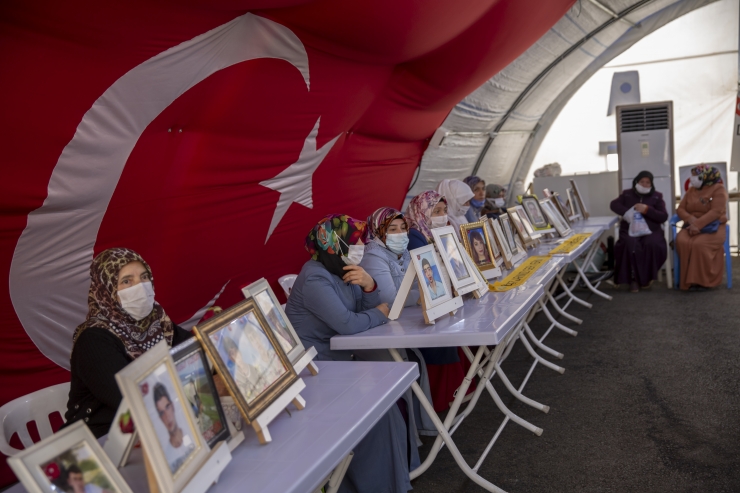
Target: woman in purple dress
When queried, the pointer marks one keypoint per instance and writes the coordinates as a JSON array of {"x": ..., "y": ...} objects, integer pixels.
[{"x": 639, "y": 258}]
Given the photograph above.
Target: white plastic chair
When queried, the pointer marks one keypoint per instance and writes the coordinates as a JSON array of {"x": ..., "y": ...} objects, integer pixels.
[
  {"x": 36, "y": 406},
  {"x": 286, "y": 282}
]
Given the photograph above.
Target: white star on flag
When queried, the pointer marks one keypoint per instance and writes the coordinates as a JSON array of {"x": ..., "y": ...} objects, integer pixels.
[{"x": 295, "y": 182}]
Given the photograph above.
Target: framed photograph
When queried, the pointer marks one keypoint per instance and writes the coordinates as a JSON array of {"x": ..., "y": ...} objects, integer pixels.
[
  {"x": 200, "y": 392},
  {"x": 478, "y": 245},
  {"x": 270, "y": 307},
  {"x": 531, "y": 205},
  {"x": 558, "y": 221},
  {"x": 167, "y": 428},
  {"x": 579, "y": 199},
  {"x": 503, "y": 242},
  {"x": 248, "y": 355},
  {"x": 71, "y": 460},
  {"x": 434, "y": 285},
  {"x": 492, "y": 241},
  {"x": 521, "y": 230},
  {"x": 452, "y": 255},
  {"x": 556, "y": 201},
  {"x": 575, "y": 211},
  {"x": 524, "y": 218},
  {"x": 509, "y": 232}
]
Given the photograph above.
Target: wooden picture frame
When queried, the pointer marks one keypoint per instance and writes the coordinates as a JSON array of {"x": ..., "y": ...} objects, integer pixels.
[
  {"x": 452, "y": 254},
  {"x": 559, "y": 223},
  {"x": 537, "y": 217},
  {"x": 272, "y": 310},
  {"x": 478, "y": 245},
  {"x": 434, "y": 284},
  {"x": 520, "y": 227},
  {"x": 575, "y": 211},
  {"x": 248, "y": 356},
  {"x": 555, "y": 200},
  {"x": 191, "y": 365},
  {"x": 579, "y": 199},
  {"x": 50, "y": 464},
  {"x": 503, "y": 243},
  {"x": 151, "y": 386}
]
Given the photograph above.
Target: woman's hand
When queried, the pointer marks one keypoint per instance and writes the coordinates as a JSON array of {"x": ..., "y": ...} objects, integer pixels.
[
  {"x": 357, "y": 275},
  {"x": 693, "y": 230},
  {"x": 641, "y": 208},
  {"x": 383, "y": 307}
]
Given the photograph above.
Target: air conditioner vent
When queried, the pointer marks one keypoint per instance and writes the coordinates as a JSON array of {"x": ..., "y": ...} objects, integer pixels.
[{"x": 643, "y": 119}]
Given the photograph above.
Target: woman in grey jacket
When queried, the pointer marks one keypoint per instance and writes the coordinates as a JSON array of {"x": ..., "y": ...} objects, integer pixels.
[{"x": 334, "y": 295}]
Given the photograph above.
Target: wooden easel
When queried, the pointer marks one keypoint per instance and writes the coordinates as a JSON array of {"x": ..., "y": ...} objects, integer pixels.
[
  {"x": 305, "y": 360},
  {"x": 292, "y": 394},
  {"x": 430, "y": 314}
]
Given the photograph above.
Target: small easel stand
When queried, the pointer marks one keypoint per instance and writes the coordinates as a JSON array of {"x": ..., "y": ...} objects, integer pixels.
[
  {"x": 305, "y": 360},
  {"x": 292, "y": 394},
  {"x": 430, "y": 314},
  {"x": 207, "y": 475}
]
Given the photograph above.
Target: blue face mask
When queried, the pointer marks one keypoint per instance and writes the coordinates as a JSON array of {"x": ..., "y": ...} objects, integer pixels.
[
  {"x": 477, "y": 203},
  {"x": 397, "y": 243}
]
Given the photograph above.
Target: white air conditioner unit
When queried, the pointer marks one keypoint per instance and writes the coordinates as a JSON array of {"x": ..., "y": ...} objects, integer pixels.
[{"x": 645, "y": 143}]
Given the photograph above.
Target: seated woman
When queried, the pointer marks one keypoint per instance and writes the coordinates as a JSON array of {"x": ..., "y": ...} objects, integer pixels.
[
  {"x": 334, "y": 295},
  {"x": 478, "y": 187},
  {"x": 639, "y": 258},
  {"x": 123, "y": 322},
  {"x": 495, "y": 201},
  {"x": 458, "y": 195},
  {"x": 386, "y": 258},
  {"x": 426, "y": 211},
  {"x": 700, "y": 244}
]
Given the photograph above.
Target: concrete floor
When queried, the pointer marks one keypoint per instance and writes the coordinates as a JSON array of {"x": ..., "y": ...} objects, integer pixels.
[{"x": 649, "y": 402}]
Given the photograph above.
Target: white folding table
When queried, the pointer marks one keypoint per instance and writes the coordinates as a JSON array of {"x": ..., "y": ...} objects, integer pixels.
[
  {"x": 494, "y": 320},
  {"x": 343, "y": 402}
]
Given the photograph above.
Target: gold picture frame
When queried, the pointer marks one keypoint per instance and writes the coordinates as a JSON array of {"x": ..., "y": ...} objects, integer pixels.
[
  {"x": 240, "y": 331},
  {"x": 478, "y": 244},
  {"x": 151, "y": 386}
]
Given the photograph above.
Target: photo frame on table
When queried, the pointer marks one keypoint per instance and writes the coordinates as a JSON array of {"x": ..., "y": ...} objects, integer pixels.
[
  {"x": 452, "y": 254},
  {"x": 537, "y": 217},
  {"x": 556, "y": 202},
  {"x": 200, "y": 390},
  {"x": 575, "y": 211},
  {"x": 510, "y": 233},
  {"x": 526, "y": 223},
  {"x": 558, "y": 221},
  {"x": 273, "y": 312},
  {"x": 174, "y": 447},
  {"x": 492, "y": 242},
  {"x": 519, "y": 226},
  {"x": 478, "y": 245},
  {"x": 503, "y": 242},
  {"x": 252, "y": 363},
  {"x": 434, "y": 285},
  {"x": 71, "y": 456},
  {"x": 579, "y": 199}
]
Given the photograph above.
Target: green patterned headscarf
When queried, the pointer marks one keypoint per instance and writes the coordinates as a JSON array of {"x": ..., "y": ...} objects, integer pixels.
[
  {"x": 105, "y": 311},
  {"x": 324, "y": 246},
  {"x": 709, "y": 174}
]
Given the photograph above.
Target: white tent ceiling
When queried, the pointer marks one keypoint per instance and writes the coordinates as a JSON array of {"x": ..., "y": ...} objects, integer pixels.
[{"x": 495, "y": 132}]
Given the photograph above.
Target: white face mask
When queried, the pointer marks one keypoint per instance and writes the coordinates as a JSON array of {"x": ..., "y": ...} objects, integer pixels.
[
  {"x": 397, "y": 242},
  {"x": 695, "y": 181},
  {"x": 354, "y": 253},
  {"x": 499, "y": 202},
  {"x": 464, "y": 209},
  {"x": 138, "y": 301},
  {"x": 641, "y": 189},
  {"x": 439, "y": 221}
]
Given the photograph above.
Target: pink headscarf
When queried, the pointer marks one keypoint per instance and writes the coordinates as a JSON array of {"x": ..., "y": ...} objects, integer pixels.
[{"x": 419, "y": 213}]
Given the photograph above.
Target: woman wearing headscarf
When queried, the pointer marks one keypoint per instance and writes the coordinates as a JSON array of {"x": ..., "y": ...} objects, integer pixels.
[
  {"x": 495, "y": 201},
  {"x": 478, "y": 187},
  {"x": 123, "y": 322},
  {"x": 639, "y": 258},
  {"x": 426, "y": 211},
  {"x": 458, "y": 195},
  {"x": 700, "y": 244},
  {"x": 334, "y": 295}
]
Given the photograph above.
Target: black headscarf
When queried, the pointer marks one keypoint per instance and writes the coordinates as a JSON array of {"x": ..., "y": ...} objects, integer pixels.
[{"x": 640, "y": 176}]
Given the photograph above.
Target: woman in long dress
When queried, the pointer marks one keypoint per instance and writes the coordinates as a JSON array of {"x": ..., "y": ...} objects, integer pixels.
[
  {"x": 333, "y": 295},
  {"x": 639, "y": 258},
  {"x": 704, "y": 207}
]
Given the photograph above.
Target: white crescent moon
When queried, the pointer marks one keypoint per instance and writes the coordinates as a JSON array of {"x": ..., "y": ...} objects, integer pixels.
[{"x": 49, "y": 273}]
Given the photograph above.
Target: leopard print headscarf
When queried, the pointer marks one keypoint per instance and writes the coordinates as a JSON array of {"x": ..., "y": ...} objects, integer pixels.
[{"x": 105, "y": 311}]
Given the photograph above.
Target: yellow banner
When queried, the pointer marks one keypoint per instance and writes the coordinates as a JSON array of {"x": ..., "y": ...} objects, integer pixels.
[
  {"x": 570, "y": 244},
  {"x": 519, "y": 275}
]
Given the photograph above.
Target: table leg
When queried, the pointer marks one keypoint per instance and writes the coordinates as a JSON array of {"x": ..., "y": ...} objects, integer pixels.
[
  {"x": 335, "y": 478},
  {"x": 567, "y": 292},
  {"x": 560, "y": 310},
  {"x": 555, "y": 322},
  {"x": 539, "y": 344},
  {"x": 590, "y": 286},
  {"x": 444, "y": 436}
]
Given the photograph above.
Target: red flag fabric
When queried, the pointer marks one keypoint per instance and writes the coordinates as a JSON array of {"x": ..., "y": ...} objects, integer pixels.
[{"x": 209, "y": 137}]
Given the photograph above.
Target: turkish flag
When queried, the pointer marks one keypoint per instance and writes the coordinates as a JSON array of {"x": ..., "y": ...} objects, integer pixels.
[{"x": 210, "y": 137}]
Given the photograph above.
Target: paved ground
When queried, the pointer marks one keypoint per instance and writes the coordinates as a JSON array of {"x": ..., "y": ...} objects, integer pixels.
[{"x": 649, "y": 402}]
